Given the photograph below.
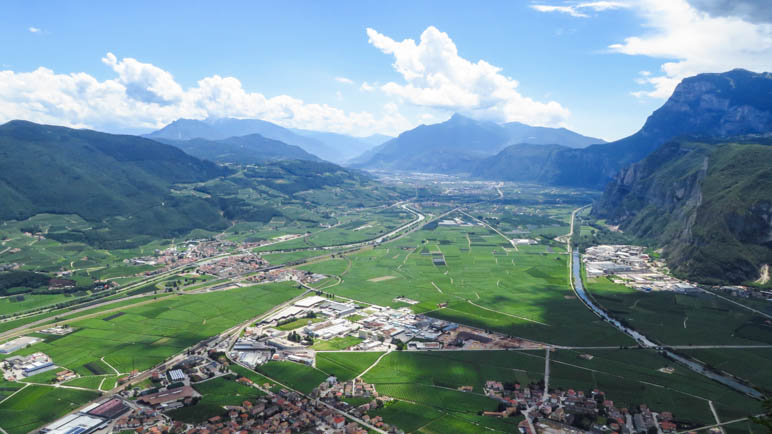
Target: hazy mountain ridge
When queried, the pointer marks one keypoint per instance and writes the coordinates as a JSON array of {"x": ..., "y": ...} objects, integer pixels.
[
  {"x": 329, "y": 146},
  {"x": 348, "y": 147},
  {"x": 459, "y": 144},
  {"x": 249, "y": 149}
]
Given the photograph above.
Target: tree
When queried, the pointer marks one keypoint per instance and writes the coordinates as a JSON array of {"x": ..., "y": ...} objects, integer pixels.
[{"x": 766, "y": 419}]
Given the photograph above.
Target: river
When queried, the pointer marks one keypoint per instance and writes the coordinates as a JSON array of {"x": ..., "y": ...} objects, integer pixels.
[{"x": 576, "y": 271}]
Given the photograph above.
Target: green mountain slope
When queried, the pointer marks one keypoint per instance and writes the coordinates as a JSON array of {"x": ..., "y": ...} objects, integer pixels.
[
  {"x": 120, "y": 183},
  {"x": 132, "y": 190},
  {"x": 250, "y": 149},
  {"x": 709, "y": 204}
]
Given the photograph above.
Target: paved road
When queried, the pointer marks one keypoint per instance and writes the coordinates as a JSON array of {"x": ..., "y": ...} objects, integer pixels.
[
  {"x": 374, "y": 363},
  {"x": 546, "y": 376},
  {"x": 739, "y": 304}
]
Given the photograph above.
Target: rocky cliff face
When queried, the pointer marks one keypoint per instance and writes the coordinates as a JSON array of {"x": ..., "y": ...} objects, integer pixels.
[
  {"x": 708, "y": 204},
  {"x": 734, "y": 103}
]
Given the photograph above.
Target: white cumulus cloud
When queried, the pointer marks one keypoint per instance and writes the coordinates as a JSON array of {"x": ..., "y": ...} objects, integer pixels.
[
  {"x": 344, "y": 80},
  {"x": 570, "y": 10},
  {"x": 577, "y": 9},
  {"x": 694, "y": 42},
  {"x": 144, "y": 96},
  {"x": 437, "y": 77},
  {"x": 34, "y": 30}
]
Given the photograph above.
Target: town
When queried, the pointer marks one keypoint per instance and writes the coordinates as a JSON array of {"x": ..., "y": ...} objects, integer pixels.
[{"x": 632, "y": 267}]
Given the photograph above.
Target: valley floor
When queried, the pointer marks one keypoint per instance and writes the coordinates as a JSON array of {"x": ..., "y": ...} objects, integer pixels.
[{"x": 472, "y": 256}]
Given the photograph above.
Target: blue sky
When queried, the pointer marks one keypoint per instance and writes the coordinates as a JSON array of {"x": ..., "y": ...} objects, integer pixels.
[{"x": 314, "y": 64}]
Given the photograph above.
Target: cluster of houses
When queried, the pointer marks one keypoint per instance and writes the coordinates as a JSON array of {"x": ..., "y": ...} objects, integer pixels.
[
  {"x": 283, "y": 275},
  {"x": 17, "y": 367},
  {"x": 58, "y": 330},
  {"x": 191, "y": 251},
  {"x": 355, "y": 388},
  {"x": 633, "y": 267},
  {"x": 284, "y": 411},
  {"x": 232, "y": 266},
  {"x": 146, "y": 420},
  {"x": 575, "y": 411},
  {"x": 10, "y": 266},
  {"x": 744, "y": 292}
]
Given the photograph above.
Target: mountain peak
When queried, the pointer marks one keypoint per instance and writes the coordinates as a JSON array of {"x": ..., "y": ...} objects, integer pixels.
[{"x": 458, "y": 118}]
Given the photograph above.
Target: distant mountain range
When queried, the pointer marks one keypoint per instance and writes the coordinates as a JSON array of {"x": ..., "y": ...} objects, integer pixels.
[
  {"x": 459, "y": 144},
  {"x": 249, "y": 149},
  {"x": 337, "y": 148},
  {"x": 709, "y": 105}
]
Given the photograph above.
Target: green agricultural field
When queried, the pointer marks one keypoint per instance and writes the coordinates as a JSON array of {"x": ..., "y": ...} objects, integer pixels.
[
  {"x": 628, "y": 377},
  {"x": 352, "y": 228},
  {"x": 300, "y": 322},
  {"x": 457, "y": 368},
  {"x": 336, "y": 343},
  {"x": 109, "y": 383},
  {"x": 256, "y": 378},
  {"x": 751, "y": 364},
  {"x": 337, "y": 266},
  {"x": 463, "y": 423},
  {"x": 216, "y": 393},
  {"x": 7, "y": 388},
  {"x": 439, "y": 398},
  {"x": 37, "y": 405},
  {"x": 679, "y": 319},
  {"x": 62, "y": 314},
  {"x": 632, "y": 377},
  {"x": 485, "y": 282},
  {"x": 48, "y": 254},
  {"x": 295, "y": 375},
  {"x": 345, "y": 366},
  {"x": 9, "y": 305},
  {"x": 142, "y": 336},
  {"x": 407, "y": 416},
  {"x": 89, "y": 382},
  {"x": 285, "y": 257}
]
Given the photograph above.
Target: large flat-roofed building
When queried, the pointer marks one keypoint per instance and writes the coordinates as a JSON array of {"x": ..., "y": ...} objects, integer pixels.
[
  {"x": 336, "y": 309},
  {"x": 310, "y": 301},
  {"x": 109, "y": 409},
  {"x": 75, "y": 424},
  {"x": 162, "y": 399},
  {"x": 285, "y": 313},
  {"x": 17, "y": 344},
  {"x": 38, "y": 367},
  {"x": 176, "y": 375}
]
